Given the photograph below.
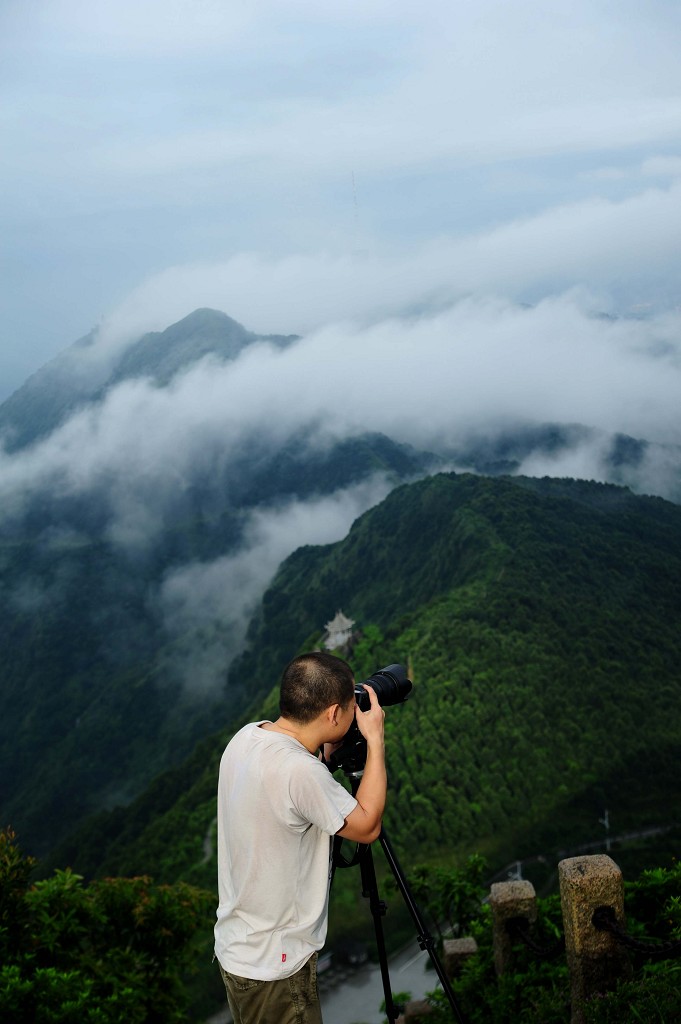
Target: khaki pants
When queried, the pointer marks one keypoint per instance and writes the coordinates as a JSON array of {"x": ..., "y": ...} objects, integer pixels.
[{"x": 291, "y": 1000}]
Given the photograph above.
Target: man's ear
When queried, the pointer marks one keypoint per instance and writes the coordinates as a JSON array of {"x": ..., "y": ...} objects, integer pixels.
[{"x": 332, "y": 713}]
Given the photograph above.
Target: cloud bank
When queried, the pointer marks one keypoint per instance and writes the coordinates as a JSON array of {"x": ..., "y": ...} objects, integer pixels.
[
  {"x": 206, "y": 606},
  {"x": 434, "y": 379},
  {"x": 626, "y": 254},
  {"x": 427, "y": 379}
]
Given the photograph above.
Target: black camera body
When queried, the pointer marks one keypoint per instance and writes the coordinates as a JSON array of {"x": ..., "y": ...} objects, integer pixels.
[{"x": 391, "y": 686}]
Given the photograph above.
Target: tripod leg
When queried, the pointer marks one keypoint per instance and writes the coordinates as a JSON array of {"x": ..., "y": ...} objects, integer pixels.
[
  {"x": 378, "y": 908},
  {"x": 425, "y": 939}
]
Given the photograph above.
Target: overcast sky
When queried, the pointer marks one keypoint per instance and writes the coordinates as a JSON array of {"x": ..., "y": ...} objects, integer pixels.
[{"x": 300, "y": 162}]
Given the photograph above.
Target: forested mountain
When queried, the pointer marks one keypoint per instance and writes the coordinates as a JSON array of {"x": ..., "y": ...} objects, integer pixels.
[
  {"x": 540, "y": 624},
  {"x": 148, "y": 494}
]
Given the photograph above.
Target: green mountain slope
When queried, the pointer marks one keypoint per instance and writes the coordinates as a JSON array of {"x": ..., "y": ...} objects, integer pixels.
[
  {"x": 89, "y": 712},
  {"x": 540, "y": 623}
]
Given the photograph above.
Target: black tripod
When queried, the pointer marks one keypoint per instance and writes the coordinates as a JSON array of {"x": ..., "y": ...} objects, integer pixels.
[{"x": 364, "y": 857}]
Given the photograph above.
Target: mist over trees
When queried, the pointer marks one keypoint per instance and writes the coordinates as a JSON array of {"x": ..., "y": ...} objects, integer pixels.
[{"x": 148, "y": 502}]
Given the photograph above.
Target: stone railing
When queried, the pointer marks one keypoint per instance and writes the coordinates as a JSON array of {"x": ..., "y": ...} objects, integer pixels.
[{"x": 595, "y": 942}]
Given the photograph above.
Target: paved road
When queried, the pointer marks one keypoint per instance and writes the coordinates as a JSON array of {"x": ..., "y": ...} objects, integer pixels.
[{"x": 356, "y": 998}]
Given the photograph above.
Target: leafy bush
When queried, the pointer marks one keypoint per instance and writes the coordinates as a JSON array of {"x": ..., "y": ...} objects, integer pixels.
[{"x": 92, "y": 954}]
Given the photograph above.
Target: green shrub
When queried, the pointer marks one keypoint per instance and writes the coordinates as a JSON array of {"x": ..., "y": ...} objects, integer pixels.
[{"x": 102, "y": 953}]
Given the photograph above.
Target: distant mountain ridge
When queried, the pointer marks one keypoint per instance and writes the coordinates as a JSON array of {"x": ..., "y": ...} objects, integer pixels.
[
  {"x": 161, "y": 355},
  {"x": 72, "y": 380}
]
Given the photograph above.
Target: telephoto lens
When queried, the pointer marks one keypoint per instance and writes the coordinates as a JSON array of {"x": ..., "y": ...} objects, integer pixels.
[{"x": 390, "y": 685}]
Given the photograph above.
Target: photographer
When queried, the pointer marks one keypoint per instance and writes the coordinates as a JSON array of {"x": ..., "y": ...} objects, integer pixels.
[{"x": 278, "y": 809}]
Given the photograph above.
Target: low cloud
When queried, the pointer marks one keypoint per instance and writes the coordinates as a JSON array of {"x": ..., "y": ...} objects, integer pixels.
[
  {"x": 662, "y": 167},
  {"x": 429, "y": 380},
  {"x": 205, "y": 607},
  {"x": 622, "y": 254}
]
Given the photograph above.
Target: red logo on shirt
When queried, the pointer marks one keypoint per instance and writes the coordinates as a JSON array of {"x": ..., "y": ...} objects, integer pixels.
[{"x": 283, "y": 958}]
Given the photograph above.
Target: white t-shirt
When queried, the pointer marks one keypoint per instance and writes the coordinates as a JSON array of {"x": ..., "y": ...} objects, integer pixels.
[{"x": 278, "y": 807}]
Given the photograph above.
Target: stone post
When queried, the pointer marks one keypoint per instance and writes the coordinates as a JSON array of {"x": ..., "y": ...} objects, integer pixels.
[
  {"x": 415, "y": 1012},
  {"x": 455, "y": 952},
  {"x": 595, "y": 959},
  {"x": 508, "y": 900}
]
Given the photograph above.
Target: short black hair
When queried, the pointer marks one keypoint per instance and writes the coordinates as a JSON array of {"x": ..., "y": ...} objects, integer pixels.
[{"x": 313, "y": 682}]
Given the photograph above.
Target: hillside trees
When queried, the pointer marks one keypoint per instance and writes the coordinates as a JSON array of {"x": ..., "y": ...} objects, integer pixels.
[{"x": 539, "y": 622}]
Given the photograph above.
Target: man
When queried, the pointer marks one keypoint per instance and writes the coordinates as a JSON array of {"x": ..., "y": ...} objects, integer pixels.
[{"x": 278, "y": 809}]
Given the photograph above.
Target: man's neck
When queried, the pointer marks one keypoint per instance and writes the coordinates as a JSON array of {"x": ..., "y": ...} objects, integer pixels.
[{"x": 287, "y": 727}]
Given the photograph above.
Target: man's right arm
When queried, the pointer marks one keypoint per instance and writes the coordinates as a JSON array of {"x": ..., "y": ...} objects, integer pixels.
[{"x": 363, "y": 824}]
